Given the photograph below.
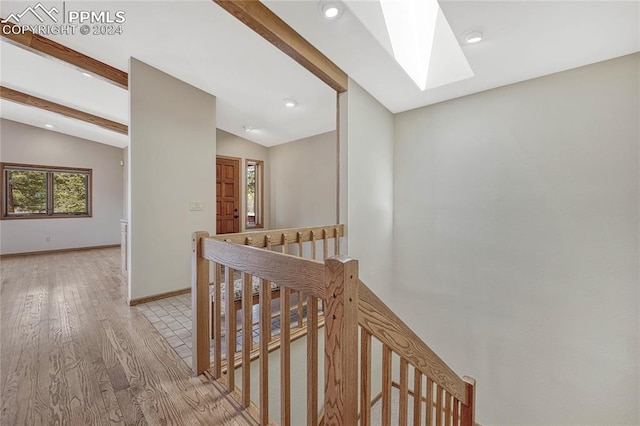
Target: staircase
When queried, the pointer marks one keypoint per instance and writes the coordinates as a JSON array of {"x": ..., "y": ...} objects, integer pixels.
[{"x": 375, "y": 369}]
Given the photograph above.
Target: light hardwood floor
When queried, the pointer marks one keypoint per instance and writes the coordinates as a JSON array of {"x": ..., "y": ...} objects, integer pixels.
[{"x": 74, "y": 353}]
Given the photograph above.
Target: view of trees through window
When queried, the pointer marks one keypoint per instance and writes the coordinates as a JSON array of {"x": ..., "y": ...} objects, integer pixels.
[
  {"x": 254, "y": 196},
  {"x": 69, "y": 193},
  {"x": 31, "y": 191},
  {"x": 26, "y": 192}
]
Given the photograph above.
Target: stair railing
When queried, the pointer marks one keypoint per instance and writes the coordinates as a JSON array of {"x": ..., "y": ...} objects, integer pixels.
[{"x": 355, "y": 323}]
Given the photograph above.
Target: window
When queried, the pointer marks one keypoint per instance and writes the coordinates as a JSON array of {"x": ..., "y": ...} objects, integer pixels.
[
  {"x": 30, "y": 192},
  {"x": 254, "y": 193}
]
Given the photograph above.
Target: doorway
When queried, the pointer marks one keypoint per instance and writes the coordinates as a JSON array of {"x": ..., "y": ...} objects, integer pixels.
[{"x": 227, "y": 195}]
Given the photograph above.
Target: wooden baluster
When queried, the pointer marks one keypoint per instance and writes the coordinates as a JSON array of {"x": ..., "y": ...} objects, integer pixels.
[
  {"x": 285, "y": 347},
  {"x": 285, "y": 356},
  {"x": 325, "y": 244},
  {"x": 200, "y": 305},
  {"x": 265, "y": 334},
  {"x": 231, "y": 328},
  {"x": 313, "y": 245},
  {"x": 404, "y": 392},
  {"x": 365, "y": 378},
  {"x": 438, "y": 405},
  {"x": 429, "y": 397},
  {"x": 300, "y": 295},
  {"x": 217, "y": 321},
  {"x": 267, "y": 246},
  {"x": 447, "y": 408},
  {"x": 336, "y": 242},
  {"x": 249, "y": 242},
  {"x": 312, "y": 360},
  {"x": 300, "y": 308},
  {"x": 386, "y": 385},
  {"x": 247, "y": 337},
  {"x": 299, "y": 240},
  {"x": 456, "y": 411},
  {"x": 467, "y": 412},
  {"x": 417, "y": 397},
  {"x": 341, "y": 342}
]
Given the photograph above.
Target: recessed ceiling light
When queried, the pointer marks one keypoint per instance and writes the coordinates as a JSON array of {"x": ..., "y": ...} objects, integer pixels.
[
  {"x": 473, "y": 37},
  {"x": 290, "y": 103},
  {"x": 49, "y": 126},
  {"x": 330, "y": 10},
  {"x": 247, "y": 129}
]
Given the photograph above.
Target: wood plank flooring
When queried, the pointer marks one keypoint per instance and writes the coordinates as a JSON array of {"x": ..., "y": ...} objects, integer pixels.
[{"x": 72, "y": 352}]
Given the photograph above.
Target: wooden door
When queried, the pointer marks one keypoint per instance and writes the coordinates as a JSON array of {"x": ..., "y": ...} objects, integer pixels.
[{"x": 227, "y": 195}]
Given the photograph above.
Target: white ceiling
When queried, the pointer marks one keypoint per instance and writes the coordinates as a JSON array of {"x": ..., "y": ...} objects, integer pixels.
[
  {"x": 195, "y": 41},
  {"x": 198, "y": 42},
  {"x": 36, "y": 75},
  {"x": 523, "y": 40},
  {"x": 39, "y": 117}
]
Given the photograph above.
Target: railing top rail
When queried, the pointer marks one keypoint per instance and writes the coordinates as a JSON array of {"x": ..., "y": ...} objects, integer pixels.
[
  {"x": 289, "y": 271},
  {"x": 258, "y": 238},
  {"x": 379, "y": 320}
]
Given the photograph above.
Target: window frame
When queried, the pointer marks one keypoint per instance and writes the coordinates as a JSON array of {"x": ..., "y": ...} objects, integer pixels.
[
  {"x": 259, "y": 202},
  {"x": 49, "y": 206}
]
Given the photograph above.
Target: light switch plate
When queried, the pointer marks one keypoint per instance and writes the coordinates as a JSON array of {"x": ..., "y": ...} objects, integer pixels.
[{"x": 196, "y": 206}]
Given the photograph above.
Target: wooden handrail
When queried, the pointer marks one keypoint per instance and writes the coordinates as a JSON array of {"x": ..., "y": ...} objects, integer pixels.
[
  {"x": 252, "y": 256},
  {"x": 289, "y": 271},
  {"x": 257, "y": 238},
  {"x": 384, "y": 324}
]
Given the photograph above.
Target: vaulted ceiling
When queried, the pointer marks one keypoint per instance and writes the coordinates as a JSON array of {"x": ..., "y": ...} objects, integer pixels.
[{"x": 198, "y": 42}]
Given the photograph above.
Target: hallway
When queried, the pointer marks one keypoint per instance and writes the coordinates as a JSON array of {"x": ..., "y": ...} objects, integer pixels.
[{"x": 73, "y": 352}]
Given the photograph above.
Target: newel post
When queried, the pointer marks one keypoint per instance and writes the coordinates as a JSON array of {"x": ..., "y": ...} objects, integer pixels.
[
  {"x": 468, "y": 412},
  {"x": 200, "y": 304},
  {"x": 341, "y": 341}
]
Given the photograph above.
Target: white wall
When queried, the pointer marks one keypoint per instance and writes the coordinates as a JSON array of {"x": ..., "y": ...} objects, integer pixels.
[
  {"x": 172, "y": 155},
  {"x": 20, "y": 143},
  {"x": 516, "y": 255},
  {"x": 369, "y": 182},
  {"x": 230, "y": 145},
  {"x": 298, "y": 371},
  {"x": 303, "y": 182}
]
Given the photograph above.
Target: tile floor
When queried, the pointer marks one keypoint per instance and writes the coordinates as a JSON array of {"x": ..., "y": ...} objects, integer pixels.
[{"x": 172, "y": 318}]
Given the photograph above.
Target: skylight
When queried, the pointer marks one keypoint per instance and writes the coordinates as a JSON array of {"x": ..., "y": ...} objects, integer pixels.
[
  {"x": 411, "y": 25},
  {"x": 418, "y": 36}
]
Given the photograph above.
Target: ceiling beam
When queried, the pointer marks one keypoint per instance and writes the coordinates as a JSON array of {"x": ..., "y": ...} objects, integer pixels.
[
  {"x": 49, "y": 48},
  {"x": 263, "y": 21},
  {"x": 28, "y": 100}
]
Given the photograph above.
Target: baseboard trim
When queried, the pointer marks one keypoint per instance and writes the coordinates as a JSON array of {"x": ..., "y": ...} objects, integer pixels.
[
  {"x": 65, "y": 250},
  {"x": 159, "y": 296}
]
